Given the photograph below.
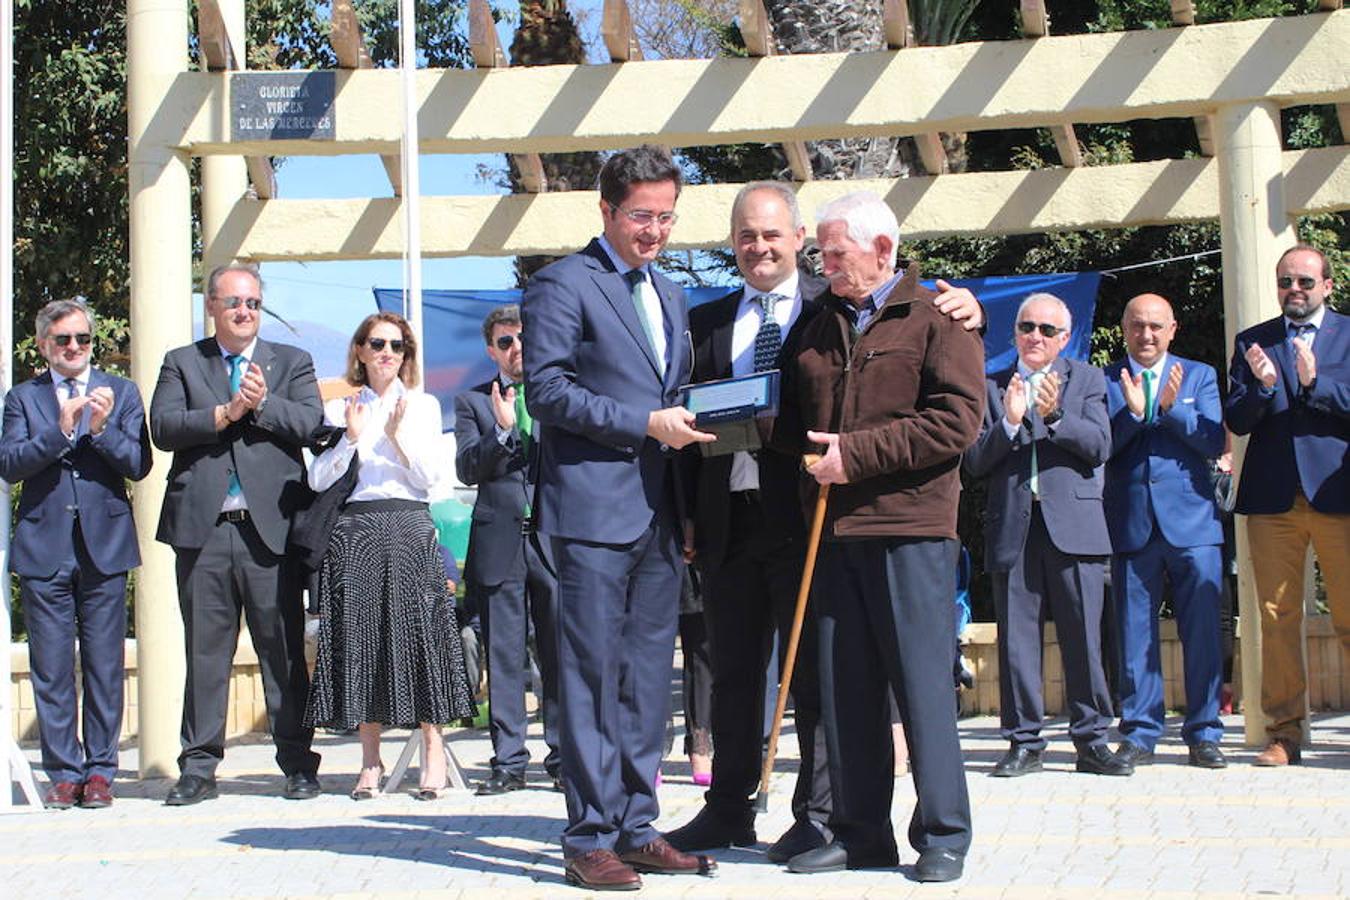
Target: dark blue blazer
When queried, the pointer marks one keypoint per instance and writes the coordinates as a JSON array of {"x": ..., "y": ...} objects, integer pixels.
[
  {"x": 496, "y": 548},
  {"x": 1300, "y": 439},
  {"x": 1069, "y": 466},
  {"x": 1159, "y": 471},
  {"x": 59, "y": 476},
  {"x": 591, "y": 380}
]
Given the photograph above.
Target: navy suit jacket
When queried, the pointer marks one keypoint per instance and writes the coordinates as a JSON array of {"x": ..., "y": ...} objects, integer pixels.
[
  {"x": 708, "y": 477},
  {"x": 1300, "y": 439},
  {"x": 591, "y": 379},
  {"x": 496, "y": 548},
  {"x": 60, "y": 476},
  {"x": 1159, "y": 471},
  {"x": 1069, "y": 468},
  {"x": 265, "y": 446}
]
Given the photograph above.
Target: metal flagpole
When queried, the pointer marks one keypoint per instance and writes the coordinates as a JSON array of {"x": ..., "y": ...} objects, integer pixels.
[
  {"x": 412, "y": 200},
  {"x": 20, "y": 771}
]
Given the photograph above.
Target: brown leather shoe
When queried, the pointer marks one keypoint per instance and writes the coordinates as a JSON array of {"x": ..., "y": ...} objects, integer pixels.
[
  {"x": 661, "y": 858},
  {"x": 97, "y": 793},
  {"x": 62, "y": 795},
  {"x": 1279, "y": 752},
  {"x": 601, "y": 870}
]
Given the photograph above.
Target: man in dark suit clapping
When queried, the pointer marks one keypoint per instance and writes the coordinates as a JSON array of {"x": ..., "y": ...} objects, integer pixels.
[
  {"x": 509, "y": 570},
  {"x": 235, "y": 410},
  {"x": 72, "y": 437},
  {"x": 1045, "y": 438}
]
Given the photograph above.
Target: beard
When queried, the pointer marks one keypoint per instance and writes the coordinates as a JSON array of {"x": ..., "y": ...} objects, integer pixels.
[{"x": 1300, "y": 307}]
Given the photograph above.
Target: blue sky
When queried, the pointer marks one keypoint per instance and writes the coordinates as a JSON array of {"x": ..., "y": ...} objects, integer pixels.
[{"x": 332, "y": 297}]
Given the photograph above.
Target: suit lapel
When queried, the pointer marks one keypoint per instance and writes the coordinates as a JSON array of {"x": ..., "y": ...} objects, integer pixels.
[
  {"x": 614, "y": 288},
  {"x": 266, "y": 359},
  {"x": 213, "y": 369},
  {"x": 46, "y": 397},
  {"x": 722, "y": 334},
  {"x": 1282, "y": 353}
]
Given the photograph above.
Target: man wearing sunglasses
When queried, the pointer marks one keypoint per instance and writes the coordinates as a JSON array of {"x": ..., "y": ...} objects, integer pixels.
[
  {"x": 72, "y": 437},
  {"x": 234, "y": 410},
  {"x": 1289, "y": 389},
  {"x": 1166, "y": 427},
  {"x": 606, "y": 354},
  {"x": 509, "y": 571},
  {"x": 1045, "y": 438}
]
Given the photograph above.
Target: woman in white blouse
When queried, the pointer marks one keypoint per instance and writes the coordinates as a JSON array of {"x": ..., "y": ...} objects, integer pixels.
[{"x": 389, "y": 645}]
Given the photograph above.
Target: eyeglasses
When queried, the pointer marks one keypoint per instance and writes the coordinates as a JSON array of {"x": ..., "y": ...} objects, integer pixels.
[
  {"x": 377, "y": 344},
  {"x": 1045, "y": 328},
  {"x": 645, "y": 217},
  {"x": 253, "y": 303},
  {"x": 63, "y": 340},
  {"x": 1305, "y": 282},
  {"x": 504, "y": 341}
]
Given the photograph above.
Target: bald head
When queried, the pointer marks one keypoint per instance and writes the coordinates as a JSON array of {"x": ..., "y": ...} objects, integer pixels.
[{"x": 1148, "y": 326}]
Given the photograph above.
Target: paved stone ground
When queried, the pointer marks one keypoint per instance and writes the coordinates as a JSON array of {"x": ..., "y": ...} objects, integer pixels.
[{"x": 1169, "y": 831}]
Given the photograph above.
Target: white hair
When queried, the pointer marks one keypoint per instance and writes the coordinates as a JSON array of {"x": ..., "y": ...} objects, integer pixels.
[
  {"x": 1042, "y": 296},
  {"x": 866, "y": 217}
]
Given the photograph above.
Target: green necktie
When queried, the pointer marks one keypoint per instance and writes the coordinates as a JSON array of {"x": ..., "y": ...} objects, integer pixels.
[
  {"x": 1148, "y": 395},
  {"x": 636, "y": 278},
  {"x": 524, "y": 427},
  {"x": 237, "y": 366}
]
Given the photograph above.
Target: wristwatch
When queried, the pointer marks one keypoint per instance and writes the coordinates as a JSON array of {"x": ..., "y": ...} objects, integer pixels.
[{"x": 1054, "y": 416}]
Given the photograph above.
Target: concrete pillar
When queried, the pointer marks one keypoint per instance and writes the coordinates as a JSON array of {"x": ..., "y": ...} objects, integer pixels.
[
  {"x": 161, "y": 318},
  {"x": 1255, "y": 230}
]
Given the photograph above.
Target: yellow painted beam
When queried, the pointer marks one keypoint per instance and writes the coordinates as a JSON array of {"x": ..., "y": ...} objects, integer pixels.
[
  {"x": 1151, "y": 193},
  {"x": 965, "y": 87}
]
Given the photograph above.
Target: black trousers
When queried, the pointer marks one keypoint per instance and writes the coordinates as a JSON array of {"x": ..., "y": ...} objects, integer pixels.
[
  {"x": 887, "y": 624},
  {"x": 751, "y": 595},
  {"x": 1070, "y": 588},
  {"x": 506, "y": 612},
  {"x": 233, "y": 572}
]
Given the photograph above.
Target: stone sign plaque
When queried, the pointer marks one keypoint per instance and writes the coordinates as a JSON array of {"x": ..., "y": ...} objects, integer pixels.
[{"x": 282, "y": 106}]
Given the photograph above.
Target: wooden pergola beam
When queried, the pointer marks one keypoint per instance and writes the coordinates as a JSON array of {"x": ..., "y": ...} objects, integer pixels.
[
  {"x": 757, "y": 32},
  {"x": 895, "y": 22},
  {"x": 1036, "y": 24},
  {"x": 222, "y": 55},
  {"x": 488, "y": 54},
  {"x": 349, "y": 45},
  {"x": 616, "y": 27},
  {"x": 1183, "y": 13}
]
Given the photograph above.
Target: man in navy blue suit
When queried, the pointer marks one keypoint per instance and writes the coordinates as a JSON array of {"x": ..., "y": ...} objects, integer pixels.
[
  {"x": 1044, "y": 441},
  {"x": 1166, "y": 426},
  {"x": 509, "y": 570},
  {"x": 608, "y": 350},
  {"x": 1289, "y": 389},
  {"x": 73, "y": 436}
]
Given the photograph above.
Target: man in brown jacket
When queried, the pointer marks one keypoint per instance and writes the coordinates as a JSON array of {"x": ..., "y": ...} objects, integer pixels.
[{"x": 890, "y": 392}]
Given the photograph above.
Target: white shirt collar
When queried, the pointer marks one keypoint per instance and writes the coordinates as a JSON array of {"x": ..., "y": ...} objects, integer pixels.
[
  {"x": 247, "y": 352},
  {"x": 787, "y": 288},
  {"x": 1315, "y": 320},
  {"x": 82, "y": 379},
  {"x": 1158, "y": 368},
  {"x": 396, "y": 391}
]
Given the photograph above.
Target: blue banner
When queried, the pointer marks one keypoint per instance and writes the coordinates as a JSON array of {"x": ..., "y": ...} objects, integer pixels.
[{"x": 455, "y": 359}]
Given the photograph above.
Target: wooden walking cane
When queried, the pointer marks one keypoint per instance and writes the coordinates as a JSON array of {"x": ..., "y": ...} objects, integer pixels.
[{"x": 798, "y": 615}]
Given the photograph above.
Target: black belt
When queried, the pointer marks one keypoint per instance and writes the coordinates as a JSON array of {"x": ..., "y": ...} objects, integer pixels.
[
  {"x": 750, "y": 496},
  {"x": 233, "y": 515}
]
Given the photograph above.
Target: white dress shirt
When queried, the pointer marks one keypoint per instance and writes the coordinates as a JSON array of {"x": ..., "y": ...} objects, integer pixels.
[
  {"x": 749, "y": 316},
  {"x": 382, "y": 474}
]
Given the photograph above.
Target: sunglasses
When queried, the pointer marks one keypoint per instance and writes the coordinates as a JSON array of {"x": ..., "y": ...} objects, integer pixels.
[
  {"x": 1305, "y": 282},
  {"x": 1045, "y": 328},
  {"x": 253, "y": 303},
  {"x": 63, "y": 340},
  {"x": 377, "y": 344},
  {"x": 504, "y": 341}
]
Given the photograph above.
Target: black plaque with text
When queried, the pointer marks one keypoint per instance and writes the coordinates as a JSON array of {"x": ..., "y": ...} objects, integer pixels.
[{"x": 282, "y": 106}]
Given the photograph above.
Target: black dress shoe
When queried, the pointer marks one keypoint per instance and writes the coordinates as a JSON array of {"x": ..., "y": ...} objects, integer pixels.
[
  {"x": 301, "y": 786},
  {"x": 1207, "y": 755},
  {"x": 801, "y": 837},
  {"x": 499, "y": 782},
  {"x": 191, "y": 789},
  {"x": 1017, "y": 761},
  {"x": 712, "y": 830},
  {"x": 1097, "y": 759},
  {"x": 1132, "y": 754},
  {"x": 939, "y": 865},
  {"x": 835, "y": 857}
]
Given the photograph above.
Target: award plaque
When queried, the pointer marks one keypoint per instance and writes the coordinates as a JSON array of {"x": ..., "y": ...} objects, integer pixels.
[{"x": 730, "y": 408}]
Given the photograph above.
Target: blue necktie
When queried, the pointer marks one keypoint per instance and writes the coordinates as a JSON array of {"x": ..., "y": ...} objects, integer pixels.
[
  {"x": 769, "y": 338},
  {"x": 237, "y": 366}
]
